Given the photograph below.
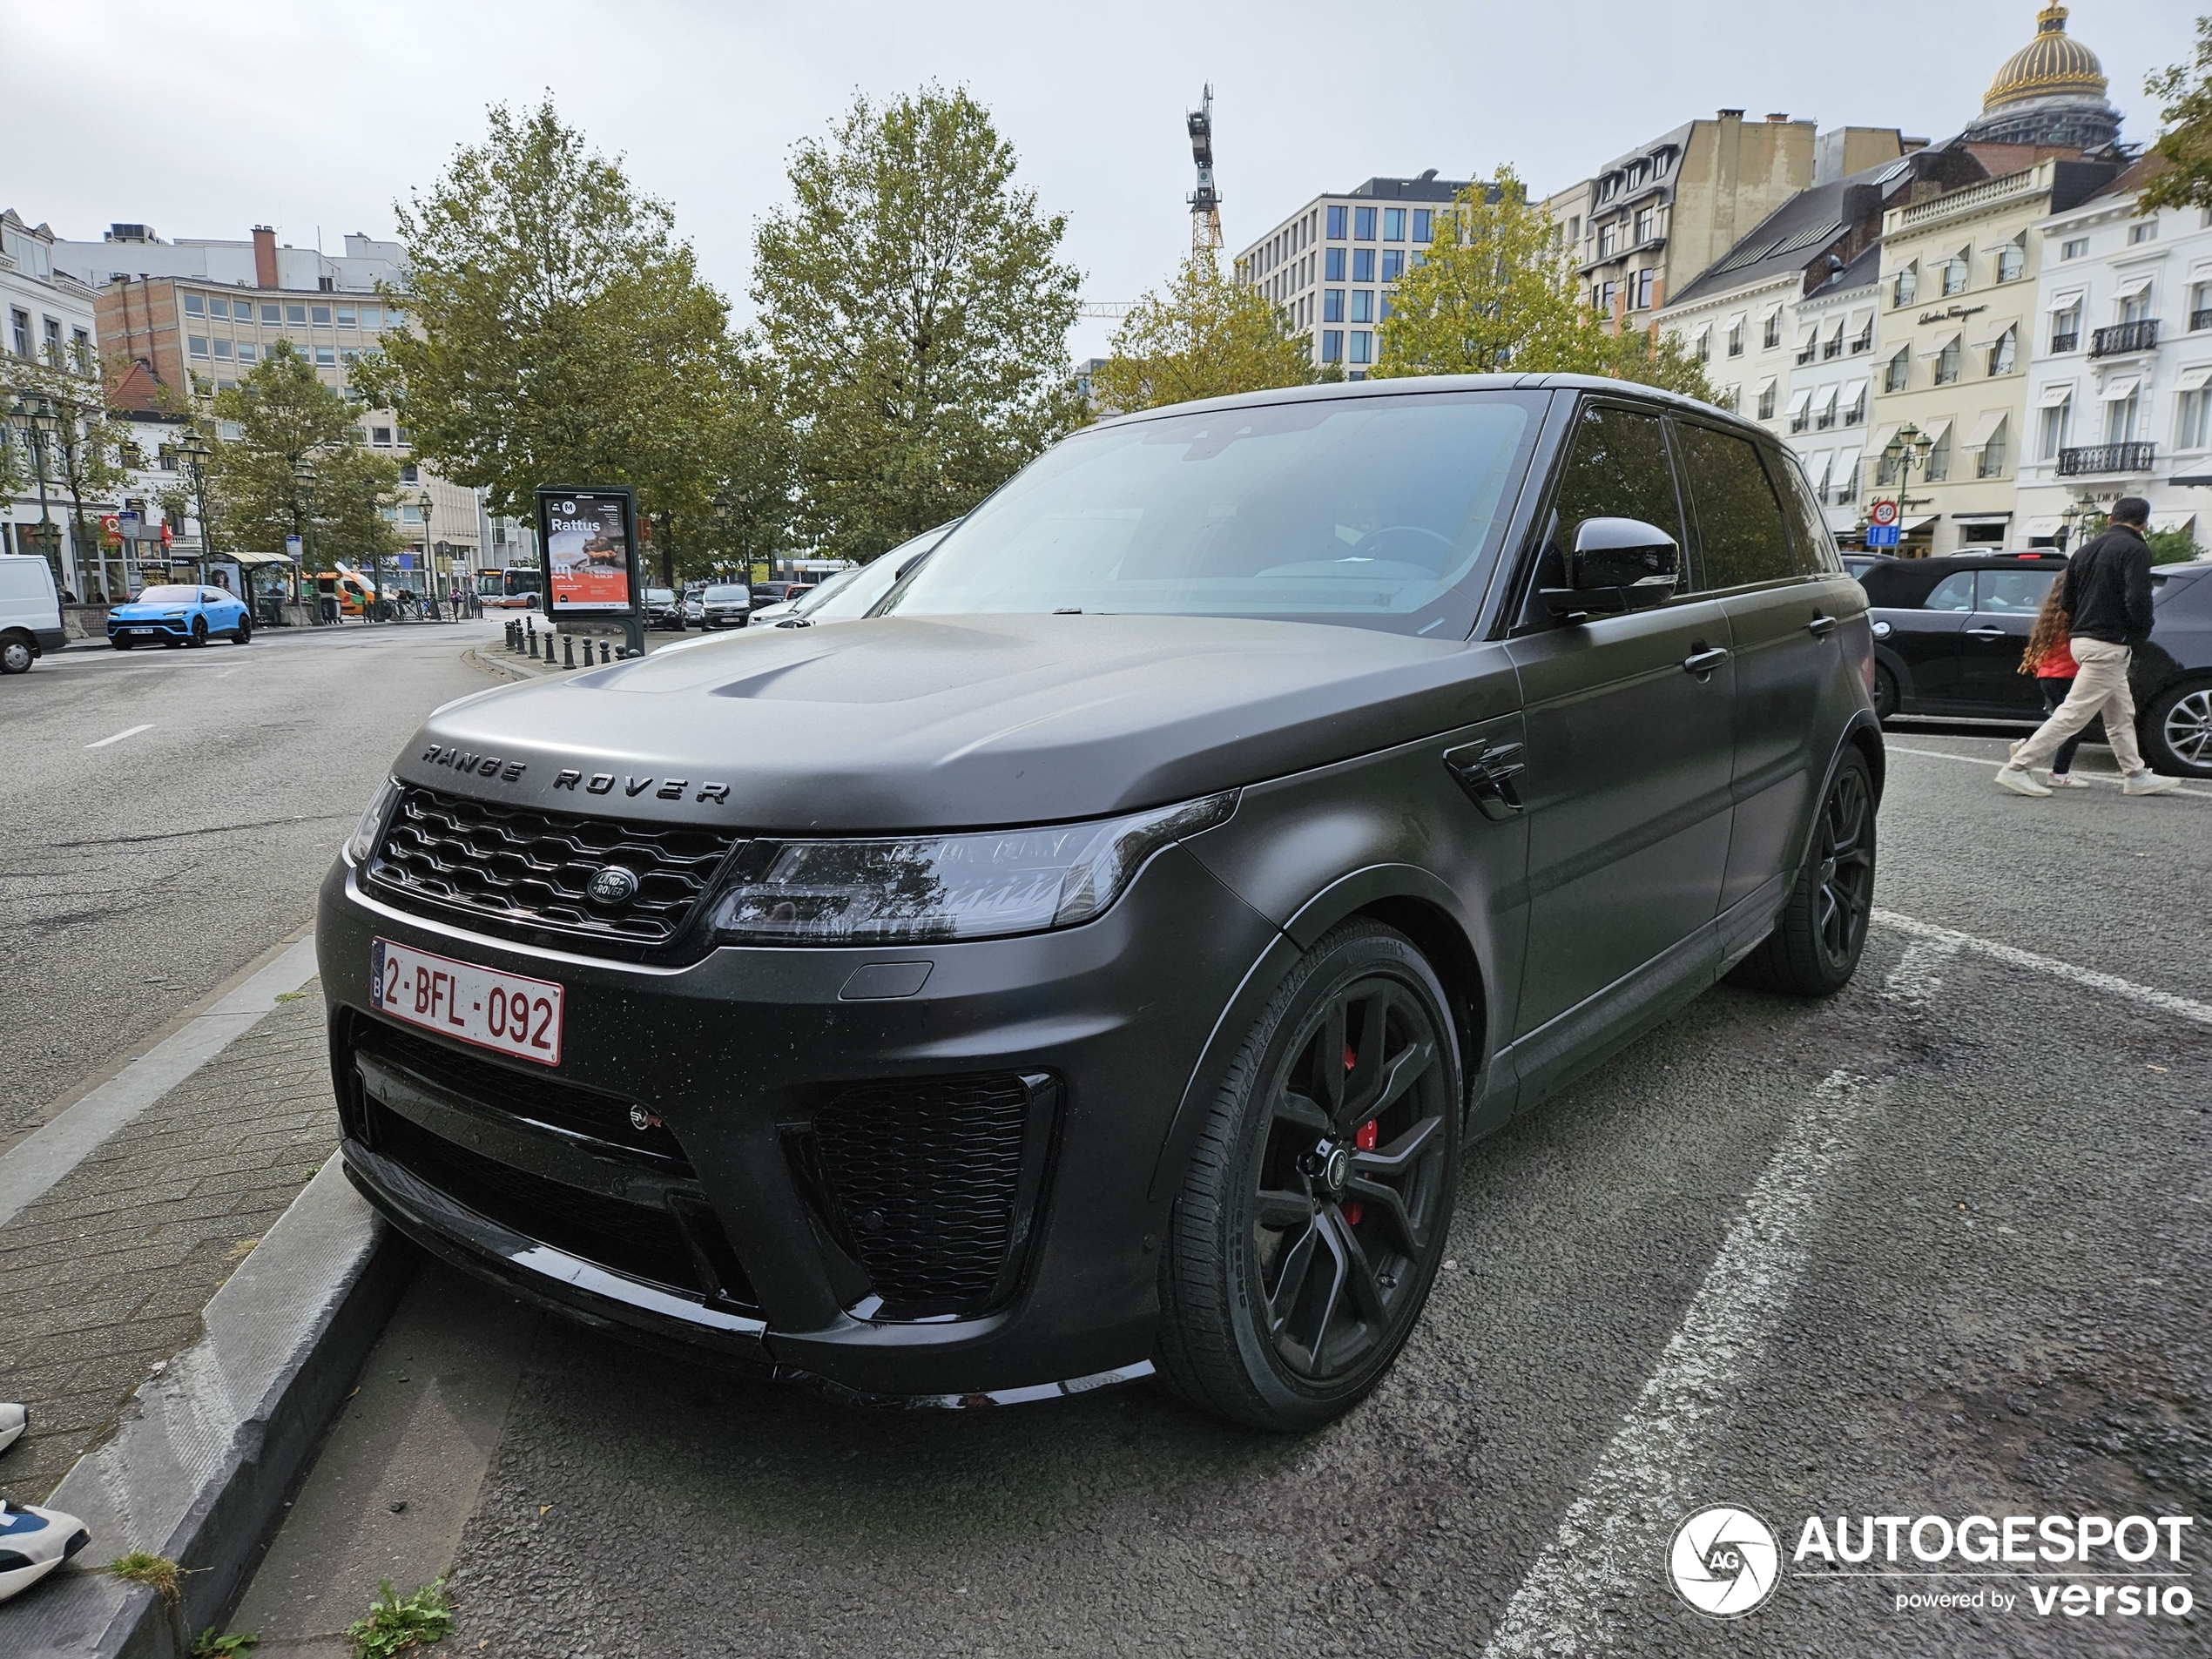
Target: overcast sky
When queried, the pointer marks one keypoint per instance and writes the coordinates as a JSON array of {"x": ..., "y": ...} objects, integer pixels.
[{"x": 202, "y": 118}]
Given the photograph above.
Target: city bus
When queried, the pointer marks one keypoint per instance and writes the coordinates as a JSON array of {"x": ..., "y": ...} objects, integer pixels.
[{"x": 513, "y": 588}]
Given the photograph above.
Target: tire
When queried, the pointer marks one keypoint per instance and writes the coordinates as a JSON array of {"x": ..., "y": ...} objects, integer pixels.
[
  {"x": 120, "y": 643},
  {"x": 1303, "y": 1157},
  {"x": 1885, "y": 694},
  {"x": 198, "y": 632},
  {"x": 17, "y": 654},
  {"x": 243, "y": 634},
  {"x": 1814, "y": 947},
  {"x": 2177, "y": 731}
]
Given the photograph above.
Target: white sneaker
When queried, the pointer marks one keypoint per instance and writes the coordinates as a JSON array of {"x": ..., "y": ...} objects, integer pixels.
[
  {"x": 2066, "y": 780},
  {"x": 2019, "y": 782},
  {"x": 33, "y": 1542},
  {"x": 2146, "y": 782},
  {"x": 13, "y": 1419}
]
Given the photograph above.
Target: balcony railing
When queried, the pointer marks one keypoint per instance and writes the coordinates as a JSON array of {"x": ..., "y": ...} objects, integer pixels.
[
  {"x": 2106, "y": 458},
  {"x": 2200, "y": 319},
  {"x": 2125, "y": 337},
  {"x": 2066, "y": 342}
]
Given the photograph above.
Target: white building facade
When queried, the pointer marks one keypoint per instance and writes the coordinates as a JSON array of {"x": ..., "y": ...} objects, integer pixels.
[
  {"x": 48, "y": 318},
  {"x": 2119, "y": 397}
]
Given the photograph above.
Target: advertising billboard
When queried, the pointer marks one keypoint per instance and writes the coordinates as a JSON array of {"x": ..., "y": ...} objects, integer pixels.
[{"x": 590, "y": 552}]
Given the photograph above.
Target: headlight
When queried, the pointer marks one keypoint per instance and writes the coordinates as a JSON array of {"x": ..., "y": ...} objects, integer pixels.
[
  {"x": 172, "y": 616},
  {"x": 362, "y": 842},
  {"x": 980, "y": 885}
]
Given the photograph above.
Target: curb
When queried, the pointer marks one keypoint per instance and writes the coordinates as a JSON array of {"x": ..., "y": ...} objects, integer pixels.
[
  {"x": 206, "y": 1453},
  {"x": 491, "y": 664}
]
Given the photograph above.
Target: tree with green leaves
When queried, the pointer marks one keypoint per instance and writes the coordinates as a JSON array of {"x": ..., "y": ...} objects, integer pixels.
[
  {"x": 1498, "y": 293},
  {"x": 2185, "y": 136},
  {"x": 1207, "y": 336},
  {"x": 284, "y": 416},
  {"x": 88, "y": 450},
  {"x": 562, "y": 333},
  {"x": 915, "y": 300}
]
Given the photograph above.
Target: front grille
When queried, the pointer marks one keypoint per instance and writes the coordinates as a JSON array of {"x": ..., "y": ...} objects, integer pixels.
[
  {"x": 929, "y": 1182},
  {"x": 528, "y": 1097},
  {"x": 525, "y": 871},
  {"x": 643, "y": 1241}
]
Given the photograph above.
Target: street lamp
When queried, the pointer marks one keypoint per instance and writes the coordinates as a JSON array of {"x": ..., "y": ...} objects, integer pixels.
[
  {"x": 196, "y": 452},
  {"x": 35, "y": 412},
  {"x": 1908, "y": 447},
  {"x": 2070, "y": 520},
  {"x": 303, "y": 475},
  {"x": 429, "y": 560}
]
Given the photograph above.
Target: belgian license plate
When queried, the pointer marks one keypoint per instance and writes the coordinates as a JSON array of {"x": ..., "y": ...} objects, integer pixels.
[
  {"x": 507, "y": 1012},
  {"x": 146, "y": 631}
]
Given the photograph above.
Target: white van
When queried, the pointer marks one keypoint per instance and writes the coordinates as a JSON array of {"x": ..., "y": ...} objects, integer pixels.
[{"x": 31, "y": 612}]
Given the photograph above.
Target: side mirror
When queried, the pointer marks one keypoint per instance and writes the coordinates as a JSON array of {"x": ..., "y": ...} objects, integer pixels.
[{"x": 1615, "y": 565}]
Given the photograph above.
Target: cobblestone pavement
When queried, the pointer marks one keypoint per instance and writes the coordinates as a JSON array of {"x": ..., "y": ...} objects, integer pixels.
[{"x": 104, "y": 1277}]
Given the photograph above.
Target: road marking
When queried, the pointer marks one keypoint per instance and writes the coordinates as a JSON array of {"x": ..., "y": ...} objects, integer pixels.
[
  {"x": 227, "y": 673},
  {"x": 128, "y": 732},
  {"x": 1978, "y": 760},
  {"x": 43, "y": 1158},
  {"x": 1610, "y": 1549},
  {"x": 2164, "y": 1001},
  {"x": 1915, "y": 981}
]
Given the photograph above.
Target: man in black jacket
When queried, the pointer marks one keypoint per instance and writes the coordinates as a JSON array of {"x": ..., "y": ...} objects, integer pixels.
[{"x": 2107, "y": 606}]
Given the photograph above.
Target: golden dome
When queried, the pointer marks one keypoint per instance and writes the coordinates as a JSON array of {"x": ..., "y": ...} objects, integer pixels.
[{"x": 2050, "y": 63}]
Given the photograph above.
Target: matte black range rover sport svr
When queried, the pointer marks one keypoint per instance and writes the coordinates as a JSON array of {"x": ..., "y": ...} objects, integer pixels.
[{"x": 1091, "y": 964}]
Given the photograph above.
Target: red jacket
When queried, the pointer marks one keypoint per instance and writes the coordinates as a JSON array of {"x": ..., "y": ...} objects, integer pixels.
[{"x": 2057, "y": 663}]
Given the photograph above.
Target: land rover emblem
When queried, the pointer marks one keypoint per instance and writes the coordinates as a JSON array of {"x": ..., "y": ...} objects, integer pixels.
[{"x": 612, "y": 886}]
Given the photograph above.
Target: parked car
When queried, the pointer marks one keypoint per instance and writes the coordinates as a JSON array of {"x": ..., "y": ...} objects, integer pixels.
[
  {"x": 726, "y": 605},
  {"x": 692, "y": 610},
  {"x": 1948, "y": 635},
  {"x": 179, "y": 614},
  {"x": 31, "y": 612},
  {"x": 854, "y": 592},
  {"x": 1247, "y": 804},
  {"x": 1859, "y": 563},
  {"x": 664, "y": 610}
]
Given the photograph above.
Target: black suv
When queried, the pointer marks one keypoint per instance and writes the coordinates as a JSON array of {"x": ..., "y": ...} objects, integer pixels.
[
  {"x": 1244, "y": 808},
  {"x": 1948, "y": 635}
]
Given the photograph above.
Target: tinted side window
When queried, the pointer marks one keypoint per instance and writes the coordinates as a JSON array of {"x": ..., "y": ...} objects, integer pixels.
[
  {"x": 1954, "y": 592},
  {"x": 1742, "y": 537},
  {"x": 1816, "y": 547},
  {"x": 1616, "y": 468},
  {"x": 2013, "y": 591}
]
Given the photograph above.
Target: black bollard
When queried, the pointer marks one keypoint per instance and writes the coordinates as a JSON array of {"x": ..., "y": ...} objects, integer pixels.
[
  {"x": 602, "y": 651},
  {"x": 568, "y": 650},
  {"x": 533, "y": 644}
]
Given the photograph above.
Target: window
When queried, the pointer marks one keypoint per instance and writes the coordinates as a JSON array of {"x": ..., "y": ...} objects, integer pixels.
[
  {"x": 319, "y": 315},
  {"x": 1608, "y": 240},
  {"x": 1333, "y": 305},
  {"x": 1362, "y": 223},
  {"x": 349, "y": 357},
  {"x": 222, "y": 350},
  {"x": 411, "y": 474},
  {"x": 1640, "y": 289},
  {"x": 1955, "y": 271},
  {"x": 1735, "y": 338},
  {"x": 1855, "y": 410},
  {"x": 1393, "y": 224},
  {"x": 1617, "y": 470},
  {"x": 195, "y": 306},
  {"x": 1393, "y": 265},
  {"x": 1332, "y": 265},
  {"x": 1954, "y": 592},
  {"x": 2012, "y": 593},
  {"x": 2066, "y": 328},
  {"x": 1863, "y": 340},
  {"x": 381, "y": 436},
  {"x": 1336, "y": 223},
  {"x": 1946, "y": 368},
  {"x": 1991, "y": 464},
  {"x": 326, "y": 357},
  {"x": 1363, "y": 264},
  {"x": 20, "y": 321},
  {"x": 1770, "y": 332},
  {"x": 372, "y": 316},
  {"x": 1602, "y": 297},
  {"x": 1939, "y": 459},
  {"x": 1743, "y": 534},
  {"x": 2201, "y": 306},
  {"x": 1383, "y": 309},
  {"x": 80, "y": 346},
  {"x": 53, "y": 341},
  {"x": 1766, "y": 402},
  {"x": 248, "y": 351},
  {"x": 346, "y": 317},
  {"x": 2119, "y": 418},
  {"x": 402, "y": 436},
  {"x": 2051, "y": 429},
  {"x": 2012, "y": 260},
  {"x": 2137, "y": 306},
  {"x": 1647, "y": 218},
  {"x": 2193, "y": 427},
  {"x": 1363, "y": 309},
  {"x": 2146, "y": 231},
  {"x": 220, "y": 308},
  {"x": 1332, "y": 341},
  {"x": 1362, "y": 346},
  {"x": 1703, "y": 348},
  {"x": 2074, "y": 248},
  {"x": 1833, "y": 345},
  {"x": 393, "y": 317},
  {"x": 1422, "y": 217},
  {"x": 197, "y": 345},
  {"x": 296, "y": 315},
  {"x": 271, "y": 314},
  {"x": 1905, "y": 285}
]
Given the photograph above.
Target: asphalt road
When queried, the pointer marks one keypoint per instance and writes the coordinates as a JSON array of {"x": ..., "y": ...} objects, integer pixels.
[
  {"x": 1936, "y": 1246},
  {"x": 140, "y": 872}
]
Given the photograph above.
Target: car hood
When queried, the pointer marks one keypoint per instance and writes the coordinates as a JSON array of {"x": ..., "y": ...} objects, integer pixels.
[
  {"x": 148, "y": 613},
  {"x": 936, "y": 723}
]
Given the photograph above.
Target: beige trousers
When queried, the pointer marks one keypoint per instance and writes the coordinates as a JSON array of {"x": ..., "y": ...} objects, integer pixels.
[{"x": 2099, "y": 688}]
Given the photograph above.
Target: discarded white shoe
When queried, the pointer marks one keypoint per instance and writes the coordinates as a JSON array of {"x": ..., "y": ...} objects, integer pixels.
[
  {"x": 33, "y": 1542},
  {"x": 2018, "y": 780},
  {"x": 2146, "y": 782},
  {"x": 13, "y": 1420}
]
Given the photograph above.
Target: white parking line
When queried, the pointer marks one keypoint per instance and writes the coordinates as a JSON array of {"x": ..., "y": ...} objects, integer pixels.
[
  {"x": 2164, "y": 1001},
  {"x": 128, "y": 732},
  {"x": 1979, "y": 760},
  {"x": 1609, "y": 1550}
]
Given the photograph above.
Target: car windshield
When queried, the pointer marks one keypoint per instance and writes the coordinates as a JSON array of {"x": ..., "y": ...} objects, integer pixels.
[
  {"x": 1374, "y": 510},
  {"x": 660, "y": 595},
  {"x": 171, "y": 596},
  {"x": 855, "y": 592},
  {"x": 723, "y": 596}
]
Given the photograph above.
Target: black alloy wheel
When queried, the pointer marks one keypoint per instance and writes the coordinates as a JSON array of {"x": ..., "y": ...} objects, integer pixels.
[
  {"x": 1315, "y": 1212},
  {"x": 122, "y": 642},
  {"x": 243, "y": 634},
  {"x": 1816, "y": 944},
  {"x": 1885, "y": 693},
  {"x": 198, "y": 630}
]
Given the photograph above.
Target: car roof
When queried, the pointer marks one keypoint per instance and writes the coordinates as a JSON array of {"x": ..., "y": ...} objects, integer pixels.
[{"x": 1997, "y": 557}]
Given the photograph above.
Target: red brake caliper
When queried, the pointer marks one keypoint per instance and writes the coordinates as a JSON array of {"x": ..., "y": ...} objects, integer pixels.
[{"x": 1364, "y": 1139}]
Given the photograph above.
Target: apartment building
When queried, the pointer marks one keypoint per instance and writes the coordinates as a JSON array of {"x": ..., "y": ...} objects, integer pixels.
[
  {"x": 49, "y": 317},
  {"x": 1331, "y": 265}
]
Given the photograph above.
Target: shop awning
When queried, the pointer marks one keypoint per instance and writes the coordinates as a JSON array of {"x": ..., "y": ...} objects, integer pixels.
[
  {"x": 1734, "y": 323},
  {"x": 1986, "y": 429},
  {"x": 1798, "y": 400},
  {"x": 1943, "y": 343},
  {"x": 2045, "y": 524},
  {"x": 1882, "y": 436},
  {"x": 1827, "y": 405},
  {"x": 1994, "y": 333},
  {"x": 2054, "y": 396},
  {"x": 1806, "y": 335},
  {"x": 1935, "y": 430},
  {"x": 1859, "y": 319},
  {"x": 2195, "y": 379},
  {"x": 1765, "y": 386},
  {"x": 1854, "y": 393},
  {"x": 2172, "y": 520},
  {"x": 1912, "y": 526},
  {"x": 1771, "y": 313},
  {"x": 2133, "y": 286},
  {"x": 1818, "y": 466},
  {"x": 2117, "y": 390},
  {"x": 2067, "y": 300}
]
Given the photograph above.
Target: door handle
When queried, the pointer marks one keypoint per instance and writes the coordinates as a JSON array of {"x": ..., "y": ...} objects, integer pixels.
[
  {"x": 1701, "y": 662},
  {"x": 1985, "y": 633},
  {"x": 1491, "y": 775},
  {"x": 1821, "y": 627}
]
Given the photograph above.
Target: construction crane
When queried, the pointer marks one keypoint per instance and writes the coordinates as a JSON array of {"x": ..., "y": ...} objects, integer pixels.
[{"x": 1205, "y": 201}]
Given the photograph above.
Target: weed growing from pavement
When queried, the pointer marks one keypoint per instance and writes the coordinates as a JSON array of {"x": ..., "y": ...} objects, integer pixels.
[
  {"x": 208, "y": 1645},
  {"x": 157, "y": 1573},
  {"x": 397, "y": 1622}
]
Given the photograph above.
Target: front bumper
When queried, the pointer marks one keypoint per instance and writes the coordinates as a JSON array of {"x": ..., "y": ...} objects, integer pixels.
[
  {"x": 724, "y": 618},
  {"x": 150, "y": 628},
  {"x": 731, "y": 1226}
]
